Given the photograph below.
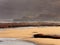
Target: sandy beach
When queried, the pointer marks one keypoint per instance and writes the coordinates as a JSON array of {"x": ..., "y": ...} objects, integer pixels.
[{"x": 26, "y": 33}]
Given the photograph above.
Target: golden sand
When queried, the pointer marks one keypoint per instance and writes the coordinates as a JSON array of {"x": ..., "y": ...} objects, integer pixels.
[{"x": 27, "y": 33}]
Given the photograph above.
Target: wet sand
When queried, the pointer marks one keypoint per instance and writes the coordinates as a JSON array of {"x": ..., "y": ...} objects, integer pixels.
[{"x": 26, "y": 33}]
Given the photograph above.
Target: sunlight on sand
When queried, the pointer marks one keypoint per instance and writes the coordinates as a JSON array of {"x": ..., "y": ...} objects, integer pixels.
[{"x": 26, "y": 33}]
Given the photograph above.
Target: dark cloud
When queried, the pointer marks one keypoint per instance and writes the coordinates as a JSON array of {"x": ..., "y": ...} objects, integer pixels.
[{"x": 30, "y": 9}]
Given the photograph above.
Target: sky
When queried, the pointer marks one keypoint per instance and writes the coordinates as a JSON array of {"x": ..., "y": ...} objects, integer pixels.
[{"x": 30, "y": 10}]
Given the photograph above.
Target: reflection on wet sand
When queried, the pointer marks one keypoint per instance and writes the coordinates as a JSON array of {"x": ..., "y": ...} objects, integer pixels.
[{"x": 14, "y": 41}]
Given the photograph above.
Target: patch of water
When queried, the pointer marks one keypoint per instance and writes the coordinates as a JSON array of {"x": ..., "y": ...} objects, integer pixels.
[{"x": 13, "y": 41}]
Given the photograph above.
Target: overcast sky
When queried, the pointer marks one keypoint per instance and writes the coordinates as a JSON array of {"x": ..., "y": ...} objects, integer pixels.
[{"x": 30, "y": 9}]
